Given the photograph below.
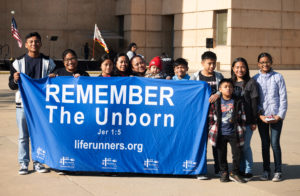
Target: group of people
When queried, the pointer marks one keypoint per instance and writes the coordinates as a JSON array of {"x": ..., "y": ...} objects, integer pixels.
[{"x": 238, "y": 105}]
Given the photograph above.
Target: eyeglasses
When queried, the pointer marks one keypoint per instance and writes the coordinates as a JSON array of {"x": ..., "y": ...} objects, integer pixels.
[
  {"x": 33, "y": 41},
  {"x": 71, "y": 59},
  {"x": 266, "y": 63}
]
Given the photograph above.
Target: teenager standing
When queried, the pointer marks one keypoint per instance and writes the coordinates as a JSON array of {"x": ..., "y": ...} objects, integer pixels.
[
  {"x": 272, "y": 110},
  {"x": 35, "y": 65}
]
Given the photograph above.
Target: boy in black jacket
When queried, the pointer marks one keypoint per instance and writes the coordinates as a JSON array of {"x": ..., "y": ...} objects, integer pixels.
[{"x": 227, "y": 125}]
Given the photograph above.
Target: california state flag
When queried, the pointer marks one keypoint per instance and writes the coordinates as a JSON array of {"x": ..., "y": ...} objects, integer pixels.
[{"x": 98, "y": 38}]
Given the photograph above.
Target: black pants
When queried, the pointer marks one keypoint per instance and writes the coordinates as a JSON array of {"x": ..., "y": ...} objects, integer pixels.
[
  {"x": 222, "y": 153},
  {"x": 216, "y": 159}
]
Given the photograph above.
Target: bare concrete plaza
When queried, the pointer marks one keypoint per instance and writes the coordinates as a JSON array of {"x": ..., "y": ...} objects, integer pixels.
[{"x": 53, "y": 184}]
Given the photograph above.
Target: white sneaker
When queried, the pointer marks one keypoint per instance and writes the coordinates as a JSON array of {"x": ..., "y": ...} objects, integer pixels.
[
  {"x": 39, "y": 167},
  {"x": 202, "y": 177},
  {"x": 265, "y": 176},
  {"x": 277, "y": 177},
  {"x": 60, "y": 172},
  {"x": 23, "y": 169}
]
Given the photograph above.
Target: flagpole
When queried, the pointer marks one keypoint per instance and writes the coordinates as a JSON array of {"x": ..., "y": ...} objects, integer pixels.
[
  {"x": 11, "y": 40},
  {"x": 93, "y": 48}
]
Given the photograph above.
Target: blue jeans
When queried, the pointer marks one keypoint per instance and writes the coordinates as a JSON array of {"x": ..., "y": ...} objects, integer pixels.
[
  {"x": 23, "y": 151},
  {"x": 247, "y": 158},
  {"x": 274, "y": 140}
]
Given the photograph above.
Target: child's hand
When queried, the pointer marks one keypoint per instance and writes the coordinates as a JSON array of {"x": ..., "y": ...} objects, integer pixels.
[
  {"x": 276, "y": 119},
  {"x": 16, "y": 76},
  {"x": 168, "y": 78},
  {"x": 76, "y": 75},
  {"x": 263, "y": 118},
  {"x": 52, "y": 75}
]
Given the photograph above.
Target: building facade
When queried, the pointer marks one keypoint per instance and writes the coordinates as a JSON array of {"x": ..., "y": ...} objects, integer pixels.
[{"x": 179, "y": 28}]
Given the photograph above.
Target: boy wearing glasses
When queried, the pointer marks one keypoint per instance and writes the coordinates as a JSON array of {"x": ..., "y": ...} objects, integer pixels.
[{"x": 35, "y": 65}]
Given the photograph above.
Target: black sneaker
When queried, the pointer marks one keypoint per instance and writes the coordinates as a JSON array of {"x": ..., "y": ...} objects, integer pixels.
[
  {"x": 247, "y": 176},
  {"x": 236, "y": 178},
  {"x": 265, "y": 176},
  {"x": 224, "y": 177},
  {"x": 23, "y": 169},
  {"x": 39, "y": 167}
]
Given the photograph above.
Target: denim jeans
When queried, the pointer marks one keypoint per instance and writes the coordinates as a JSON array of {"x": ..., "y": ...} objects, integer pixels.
[
  {"x": 23, "y": 151},
  {"x": 274, "y": 140},
  {"x": 247, "y": 158}
]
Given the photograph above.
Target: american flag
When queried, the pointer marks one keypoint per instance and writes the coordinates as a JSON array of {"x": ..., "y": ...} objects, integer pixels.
[{"x": 15, "y": 33}]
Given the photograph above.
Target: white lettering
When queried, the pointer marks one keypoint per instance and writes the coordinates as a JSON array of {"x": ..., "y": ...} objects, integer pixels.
[
  {"x": 133, "y": 95},
  {"x": 128, "y": 115},
  {"x": 149, "y": 95},
  {"x": 78, "y": 118},
  {"x": 65, "y": 93},
  {"x": 148, "y": 119},
  {"x": 114, "y": 94},
  {"x": 98, "y": 116},
  {"x": 51, "y": 108},
  {"x": 88, "y": 94},
  {"x": 62, "y": 114},
  {"x": 166, "y": 116},
  {"x": 166, "y": 96},
  {"x": 53, "y": 94},
  {"x": 101, "y": 94}
]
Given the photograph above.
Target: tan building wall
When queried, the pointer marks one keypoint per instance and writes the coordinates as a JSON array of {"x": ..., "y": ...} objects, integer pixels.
[
  {"x": 177, "y": 27},
  {"x": 193, "y": 22},
  {"x": 72, "y": 21},
  {"x": 269, "y": 25},
  {"x": 252, "y": 27}
]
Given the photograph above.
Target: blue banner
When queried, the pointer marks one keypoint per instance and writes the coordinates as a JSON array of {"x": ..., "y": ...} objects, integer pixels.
[{"x": 117, "y": 124}]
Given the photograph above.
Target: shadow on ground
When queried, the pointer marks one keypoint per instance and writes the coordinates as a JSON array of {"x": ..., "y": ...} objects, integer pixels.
[{"x": 289, "y": 172}]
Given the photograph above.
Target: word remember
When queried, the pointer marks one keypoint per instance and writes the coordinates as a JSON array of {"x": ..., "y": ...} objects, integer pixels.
[{"x": 108, "y": 96}]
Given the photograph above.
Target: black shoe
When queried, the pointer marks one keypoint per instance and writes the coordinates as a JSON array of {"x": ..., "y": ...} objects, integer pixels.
[
  {"x": 38, "y": 167},
  {"x": 236, "y": 178},
  {"x": 241, "y": 173},
  {"x": 224, "y": 177},
  {"x": 23, "y": 169},
  {"x": 247, "y": 176}
]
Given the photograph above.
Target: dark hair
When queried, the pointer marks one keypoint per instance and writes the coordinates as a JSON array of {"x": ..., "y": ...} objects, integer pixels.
[
  {"x": 67, "y": 51},
  {"x": 33, "y": 34},
  {"x": 130, "y": 65},
  {"x": 104, "y": 57},
  {"x": 163, "y": 55},
  {"x": 265, "y": 54},
  {"x": 180, "y": 61},
  {"x": 115, "y": 69},
  {"x": 209, "y": 55},
  {"x": 246, "y": 77},
  {"x": 131, "y": 45},
  {"x": 136, "y": 56},
  {"x": 226, "y": 80}
]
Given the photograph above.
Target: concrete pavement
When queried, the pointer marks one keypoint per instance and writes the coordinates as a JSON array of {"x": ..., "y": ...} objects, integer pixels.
[{"x": 53, "y": 184}]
